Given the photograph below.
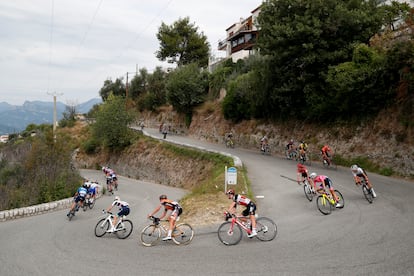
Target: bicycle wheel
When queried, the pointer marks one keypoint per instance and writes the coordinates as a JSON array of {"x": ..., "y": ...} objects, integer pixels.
[
  {"x": 324, "y": 206},
  {"x": 367, "y": 193},
  {"x": 101, "y": 227},
  {"x": 229, "y": 234},
  {"x": 71, "y": 214},
  {"x": 91, "y": 204},
  {"x": 85, "y": 206},
  {"x": 150, "y": 235},
  {"x": 266, "y": 229},
  {"x": 308, "y": 191},
  {"x": 124, "y": 229},
  {"x": 341, "y": 200},
  {"x": 183, "y": 234}
]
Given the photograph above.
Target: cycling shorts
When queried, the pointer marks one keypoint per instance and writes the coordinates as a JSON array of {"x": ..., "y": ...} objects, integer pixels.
[
  {"x": 328, "y": 183},
  {"x": 79, "y": 198},
  {"x": 124, "y": 211},
  {"x": 176, "y": 212},
  {"x": 250, "y": 209}
]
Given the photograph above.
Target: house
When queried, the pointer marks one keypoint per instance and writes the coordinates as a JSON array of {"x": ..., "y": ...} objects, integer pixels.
[
  {"x": 241, "y": 37},
  {"x": 4, "y": 138}
]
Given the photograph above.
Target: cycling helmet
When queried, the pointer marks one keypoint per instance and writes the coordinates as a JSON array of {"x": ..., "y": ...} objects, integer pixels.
[
  {"x": 117, "y": 198},
  {"x": 312, "y": 175},
  {"x": 354, "y": 167},
  {"x": 230, "y": 192},
  {"x": 291, "y": 140},
  {"x": 163, "y": 197}
]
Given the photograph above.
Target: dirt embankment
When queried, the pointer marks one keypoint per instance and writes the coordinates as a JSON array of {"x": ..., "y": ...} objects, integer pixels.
[{"x": 384, "y": 140}]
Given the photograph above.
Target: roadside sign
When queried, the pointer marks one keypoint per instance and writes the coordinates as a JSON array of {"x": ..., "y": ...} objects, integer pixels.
[{"x": 231, "y": 176}]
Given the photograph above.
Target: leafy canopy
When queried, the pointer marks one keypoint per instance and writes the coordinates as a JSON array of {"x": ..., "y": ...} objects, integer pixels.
[{"x": 180, "y": 43}]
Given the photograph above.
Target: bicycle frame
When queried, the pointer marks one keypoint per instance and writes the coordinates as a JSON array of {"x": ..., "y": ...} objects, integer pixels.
[
  {"x": 328, "y": 198},
  {"x": 238, "y": 220}
]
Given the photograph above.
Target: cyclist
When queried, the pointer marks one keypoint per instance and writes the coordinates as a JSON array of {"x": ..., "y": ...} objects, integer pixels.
[
  {"x": 303, "y": 147},
  {"x": 79, "y": 197},
  {"x": 323, "y": 181},
  {"x": 359, "y": 173},
  {"x": 326, "y": 153},
  {"x": 123, "y": 211},
  {"x": 290, "y": 147},
  {"x": 303, "y": 173},
  {"x": 176, "y": 211},
  {"x": 264, "y": 142},
  {"x": 92, "y": 190},
  {"x": 229, "y": 138},
  {"x": 249, "y": 211}
]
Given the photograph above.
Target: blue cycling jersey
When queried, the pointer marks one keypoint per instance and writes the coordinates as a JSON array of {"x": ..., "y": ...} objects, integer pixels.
[{"x": 82, "y": 191}]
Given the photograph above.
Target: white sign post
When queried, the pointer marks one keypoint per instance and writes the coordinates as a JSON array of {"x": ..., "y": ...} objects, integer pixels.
[{"x": 230, "y": 177}]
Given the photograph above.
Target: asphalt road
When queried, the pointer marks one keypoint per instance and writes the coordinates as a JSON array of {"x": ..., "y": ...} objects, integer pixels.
[{"x": 361, "y": 239}]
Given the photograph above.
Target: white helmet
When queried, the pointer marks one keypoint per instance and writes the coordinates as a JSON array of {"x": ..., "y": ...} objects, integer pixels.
[
  {"x": 116, "y": 198},
  {"x": 354, "y": 168},
  {"x": 312, "y": 175}
]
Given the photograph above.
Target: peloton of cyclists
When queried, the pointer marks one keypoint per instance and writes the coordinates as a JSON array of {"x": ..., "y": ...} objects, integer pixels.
[
  {"x": 168, "y": 205},
  {"x": 249, "y": 211},
  {"x": 359, "y": 173},
  {"x": 323, "y": 181}
]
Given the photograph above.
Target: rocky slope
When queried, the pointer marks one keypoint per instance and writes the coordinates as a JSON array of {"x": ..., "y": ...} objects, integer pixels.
[{"x": 384, "y": 140}]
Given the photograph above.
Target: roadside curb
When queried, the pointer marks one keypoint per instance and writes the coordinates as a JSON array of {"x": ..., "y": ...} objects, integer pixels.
[
  {"x": 38, "y": 209},
  {"x": 237, "y": 161}
]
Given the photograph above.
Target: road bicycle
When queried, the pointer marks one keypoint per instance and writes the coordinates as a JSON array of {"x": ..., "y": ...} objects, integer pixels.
[
  {"x": 328, "y": 162},
  {"x": 367, "y": 191},
  {"x": 265, "y": 149},
  {"x": 308, "y": 190},
  {"x": 72, "y": 212},
  {"x": 291, "y": 154},
  {"x": 151, "y": 234},
  {"x": 230, "y": 232},
  {"x": 304, "y": 158},
  {"x": 326, "y": 203},
  {"x": 122, "y": 229},
  {"x": 229, "y": 143},
  {"x": 89, "y": 202}
]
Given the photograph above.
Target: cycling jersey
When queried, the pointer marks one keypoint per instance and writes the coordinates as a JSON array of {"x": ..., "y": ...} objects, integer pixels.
[
  {"x": 320, "y": 179},
  {"x": 173, "y": 206},
  {"x": 170, "y": 205},
  {"x": 250, "y": 205},
  {"x": 303, "y": 146},
  {"x": 123, "y": 205},
  {"x": 82, "y": 191}
]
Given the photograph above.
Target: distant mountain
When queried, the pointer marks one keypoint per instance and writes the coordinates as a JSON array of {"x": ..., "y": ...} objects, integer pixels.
[{"x": 14, "y": 118}]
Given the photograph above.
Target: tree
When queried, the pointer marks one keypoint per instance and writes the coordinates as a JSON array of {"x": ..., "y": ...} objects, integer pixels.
[
  {"x": 304, "y": 38},
  {"x": 187, "y": 88},
  {"x": 180, "y": 43},
  {"x": 111, "y": 125},
  {"x": 117, "y": 88},
  {"x": 138, "y": 84}
]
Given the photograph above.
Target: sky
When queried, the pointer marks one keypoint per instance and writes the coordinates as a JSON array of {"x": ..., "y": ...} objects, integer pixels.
[{"x": 68, "y": 48}]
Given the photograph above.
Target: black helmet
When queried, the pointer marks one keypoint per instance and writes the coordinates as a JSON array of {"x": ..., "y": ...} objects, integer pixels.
[{"x": 163, "y": 197}]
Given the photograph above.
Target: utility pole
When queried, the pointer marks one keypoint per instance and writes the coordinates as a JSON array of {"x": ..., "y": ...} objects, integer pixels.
[
  {"x": 126, "y": 86},
  {"x": 54, "y": 94}
]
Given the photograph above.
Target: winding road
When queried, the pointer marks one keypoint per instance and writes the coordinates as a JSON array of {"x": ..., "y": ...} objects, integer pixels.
[{"x": 360, "y": 239}]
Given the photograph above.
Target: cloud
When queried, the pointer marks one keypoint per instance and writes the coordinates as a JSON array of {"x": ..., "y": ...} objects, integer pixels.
[{"x": 72, "y": 47}]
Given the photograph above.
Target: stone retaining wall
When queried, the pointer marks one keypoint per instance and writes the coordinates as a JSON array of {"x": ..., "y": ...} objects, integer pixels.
[{"x": 38, "y": 209}]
